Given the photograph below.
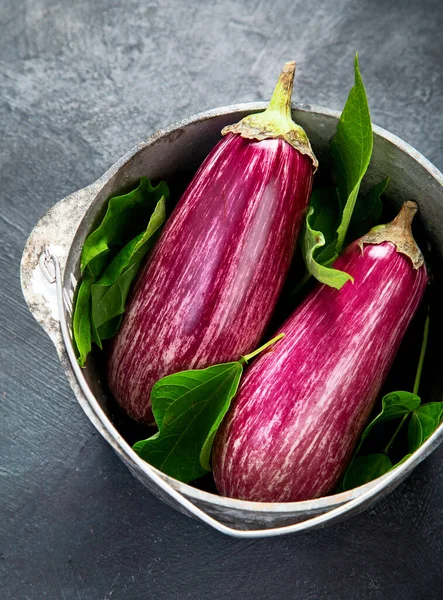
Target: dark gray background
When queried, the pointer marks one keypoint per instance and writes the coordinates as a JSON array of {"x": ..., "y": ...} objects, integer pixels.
[{"x": 80, "y": 83}]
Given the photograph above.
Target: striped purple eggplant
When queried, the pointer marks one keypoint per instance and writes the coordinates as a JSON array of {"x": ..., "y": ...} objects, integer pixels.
[
  {"x": 208, "y": 290},
  {"x": 301, "y": 408}
]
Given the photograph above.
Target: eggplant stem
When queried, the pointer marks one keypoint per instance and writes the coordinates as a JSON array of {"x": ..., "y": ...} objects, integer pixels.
[
  {"x": 281, "y": 97},
  {"x": 424, "y": 345},
  {"x": 399, "y": 233},
  {"x": 276, "y": 121},
  {"x": 416, "y": 387},
  {"x": 245, "y": 359},
  {"x": 400, "y": 425}
]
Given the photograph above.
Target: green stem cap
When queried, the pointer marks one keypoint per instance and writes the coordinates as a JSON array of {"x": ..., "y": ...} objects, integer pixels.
[
  {"x": 399, "y": 233},
  {"x": 276, "y": 121}
]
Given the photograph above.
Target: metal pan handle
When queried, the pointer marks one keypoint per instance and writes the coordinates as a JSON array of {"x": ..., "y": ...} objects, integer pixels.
[{"x": 51, "y": 268}]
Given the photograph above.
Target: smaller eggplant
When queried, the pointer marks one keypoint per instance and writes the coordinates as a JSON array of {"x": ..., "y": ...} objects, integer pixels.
[{"x": 302, "y": 407}]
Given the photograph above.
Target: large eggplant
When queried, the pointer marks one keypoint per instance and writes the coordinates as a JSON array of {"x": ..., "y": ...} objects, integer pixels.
[
  {"x": 209, "y": 287},
  {"x": 301, "y": 408}
]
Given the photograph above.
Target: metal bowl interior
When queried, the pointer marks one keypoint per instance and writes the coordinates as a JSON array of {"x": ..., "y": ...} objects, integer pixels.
[{"x": 174, "y": 155}]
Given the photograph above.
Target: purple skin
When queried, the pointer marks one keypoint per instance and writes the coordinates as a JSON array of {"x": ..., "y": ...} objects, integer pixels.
[
  {"x": 302, "y": 407},
  {"x": 209, "y": 288}
]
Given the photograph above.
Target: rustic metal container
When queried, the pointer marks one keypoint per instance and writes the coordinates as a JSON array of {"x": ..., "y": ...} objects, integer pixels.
[{"x": 50, "y": 270}]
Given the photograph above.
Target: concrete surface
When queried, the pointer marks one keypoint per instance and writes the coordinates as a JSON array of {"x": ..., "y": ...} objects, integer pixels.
[{"x": 80, "y": 83}]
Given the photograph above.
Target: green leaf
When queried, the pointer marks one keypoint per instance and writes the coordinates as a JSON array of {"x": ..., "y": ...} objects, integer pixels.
[
  {"x": 110, "y": 292},
  {"x": 424, "y": 421},
  {"x": 205, "y": 454},
  {"x": 111, "y": 257},
  {"x": 351, "y": 150},
  {"x": 95, "y": 333},
  {"x": 325, "y": 218},
  {"x": 394, "y": 406},
  {"x": 368, "y": 211},
  {"x": 312, "y": 241},
  {"x": 366, "y": 468},
  {"x": 81, "y": 321},
  {"x": 125, "y": 216},
  {"x": 110, "y": 328},
  {"x": 331, "y": 209},
  {"x": 188, "y": 408}
]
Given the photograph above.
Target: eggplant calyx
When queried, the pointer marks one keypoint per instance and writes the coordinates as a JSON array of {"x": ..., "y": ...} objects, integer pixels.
[
  {"x": 276, "y": 121},
  {"x": 399, "y": 233}
]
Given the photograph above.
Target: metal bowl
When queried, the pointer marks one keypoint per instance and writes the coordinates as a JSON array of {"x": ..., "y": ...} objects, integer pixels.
[{"x": 50, "y": 270}]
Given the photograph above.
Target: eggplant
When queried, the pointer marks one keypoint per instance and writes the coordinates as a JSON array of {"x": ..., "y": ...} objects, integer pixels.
[
  {"x": 210, "y": 285},
  {"x": 301, "y": 408}
]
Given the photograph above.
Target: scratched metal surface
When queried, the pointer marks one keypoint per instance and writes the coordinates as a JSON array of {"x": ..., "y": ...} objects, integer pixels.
[{"x": 80, "y": 83}]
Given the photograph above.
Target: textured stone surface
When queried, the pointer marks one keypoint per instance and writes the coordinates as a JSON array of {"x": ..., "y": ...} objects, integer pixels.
[{"x": 80, "y": 83}]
